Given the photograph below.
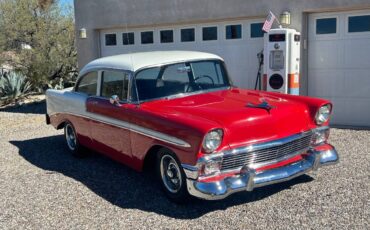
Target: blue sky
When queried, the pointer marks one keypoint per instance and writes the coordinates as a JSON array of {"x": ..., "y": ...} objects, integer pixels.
[{"x": 66, "y": 2}]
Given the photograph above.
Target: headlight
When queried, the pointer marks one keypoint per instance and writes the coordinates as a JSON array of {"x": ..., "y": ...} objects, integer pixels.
[
  {"x": 212, "y": 140},
  {"x": 323, "y": 114}
]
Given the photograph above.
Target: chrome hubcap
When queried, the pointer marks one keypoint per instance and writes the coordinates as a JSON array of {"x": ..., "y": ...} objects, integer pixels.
[
  {"x": 70, "y": 137},
  {"x": 170, "y": 173}
]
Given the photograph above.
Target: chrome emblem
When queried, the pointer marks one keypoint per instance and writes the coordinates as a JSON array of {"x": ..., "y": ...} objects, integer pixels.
[{"x": 264, "y": 105}]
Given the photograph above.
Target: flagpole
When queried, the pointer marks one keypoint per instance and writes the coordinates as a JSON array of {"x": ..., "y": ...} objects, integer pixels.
[{"x": 280, "y": 26}]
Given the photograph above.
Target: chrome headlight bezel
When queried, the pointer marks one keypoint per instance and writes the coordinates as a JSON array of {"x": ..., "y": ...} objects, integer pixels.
[
  {"x": 212, "y": 140},
  {"x": 323, "y": 114}
]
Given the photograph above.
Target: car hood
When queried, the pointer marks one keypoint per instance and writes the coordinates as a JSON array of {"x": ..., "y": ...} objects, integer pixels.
[{"x": 243, "y": 124}]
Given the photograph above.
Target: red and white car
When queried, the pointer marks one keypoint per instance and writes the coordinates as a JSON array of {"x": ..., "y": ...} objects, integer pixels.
[{"x": 179, "y": 112}]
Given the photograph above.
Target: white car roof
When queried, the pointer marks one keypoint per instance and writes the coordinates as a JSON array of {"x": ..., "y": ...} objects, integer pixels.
[{"x": 136, "y": 61}]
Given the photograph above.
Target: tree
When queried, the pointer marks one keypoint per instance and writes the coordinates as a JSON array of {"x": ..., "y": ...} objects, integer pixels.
[{"x": 41, "y": 34}]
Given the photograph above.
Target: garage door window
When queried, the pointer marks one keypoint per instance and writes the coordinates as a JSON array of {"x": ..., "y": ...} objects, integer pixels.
[
  {"x": 234, "y": 32},
  {"x": 359, "y": 24},
  {"x": 166, "y": 36},
  {"x": 128, "y": 38},
  {"x": 110, "y": 40},
  {"x": 147, "y": 37},
  {"x": 209, "y": 33},
  {"x": 256, "y": 30},
  {"x": 187, "y": 35},
  {"x": 326, "y": 26}
]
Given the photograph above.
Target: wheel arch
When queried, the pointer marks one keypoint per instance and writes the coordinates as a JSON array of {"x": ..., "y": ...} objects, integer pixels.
[
  {"x": 151, "y": 154},
  {"x": 61, "y": 124}
]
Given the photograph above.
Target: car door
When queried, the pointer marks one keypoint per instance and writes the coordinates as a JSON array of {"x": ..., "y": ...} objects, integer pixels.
[
  {"x": 110, "y": 124},
  {"x": 86, "y": 87}
]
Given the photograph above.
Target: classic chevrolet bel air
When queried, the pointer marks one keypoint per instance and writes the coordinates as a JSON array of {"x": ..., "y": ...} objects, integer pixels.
[{"x": 178, "y": 113}]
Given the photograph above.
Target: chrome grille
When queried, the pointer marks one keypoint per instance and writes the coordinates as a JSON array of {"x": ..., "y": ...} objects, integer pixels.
[{"x": 266, "y": 155}]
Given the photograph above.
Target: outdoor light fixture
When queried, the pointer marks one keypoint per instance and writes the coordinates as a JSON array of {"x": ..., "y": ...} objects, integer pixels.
[
  {"x": 83, "y": 33},
  {"x": 285, "y": 18}
]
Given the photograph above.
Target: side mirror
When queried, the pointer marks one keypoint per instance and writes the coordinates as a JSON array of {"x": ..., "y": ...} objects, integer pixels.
[{"x": 114, "y": 100}]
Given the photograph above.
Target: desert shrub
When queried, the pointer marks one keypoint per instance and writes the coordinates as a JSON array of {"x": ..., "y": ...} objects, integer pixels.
[
  {"x": 13, "y": 85},
  {"x": 40, "y": 36}
]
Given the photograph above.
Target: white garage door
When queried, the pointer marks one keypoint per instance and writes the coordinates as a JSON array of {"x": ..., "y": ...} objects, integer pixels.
[
  {"x": 339, "y": 64},
  {"x": 237, "y": 42}
]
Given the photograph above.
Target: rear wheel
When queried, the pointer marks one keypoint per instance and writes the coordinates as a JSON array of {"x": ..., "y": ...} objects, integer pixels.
[
  {"x": 171, "y": 176},
  {"x": 72, "y": 141}
]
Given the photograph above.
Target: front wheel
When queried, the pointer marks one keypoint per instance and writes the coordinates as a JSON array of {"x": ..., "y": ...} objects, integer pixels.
[{"x": 172, "y": 176}]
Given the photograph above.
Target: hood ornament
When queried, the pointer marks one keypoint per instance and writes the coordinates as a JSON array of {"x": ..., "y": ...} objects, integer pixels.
[{"x": 264, "y": 105}]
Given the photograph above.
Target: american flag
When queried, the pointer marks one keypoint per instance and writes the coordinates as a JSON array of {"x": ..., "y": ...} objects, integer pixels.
[{"x": 268, "y": 23}]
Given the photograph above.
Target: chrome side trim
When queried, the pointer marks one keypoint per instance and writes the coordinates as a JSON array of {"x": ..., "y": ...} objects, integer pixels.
[
  {"x": 73, "y": 103},
  {"x": 134, "y": 128},
  {"x": 248, "y": 179}
]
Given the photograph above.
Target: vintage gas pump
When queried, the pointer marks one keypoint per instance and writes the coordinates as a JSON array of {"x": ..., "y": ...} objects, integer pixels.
[{"x": 281, "y": 61}]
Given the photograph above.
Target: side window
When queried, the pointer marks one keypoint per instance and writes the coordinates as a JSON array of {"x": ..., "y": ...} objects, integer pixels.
[
  {"x": 88, "y": 84},
  {"x": 147, "y": 83},
  {"x": 114, "y": 83}
]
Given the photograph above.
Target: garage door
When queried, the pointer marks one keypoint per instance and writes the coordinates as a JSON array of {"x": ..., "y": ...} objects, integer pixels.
[
  {"x": 339, "y": 64},
  {"x": 238, "y": 42}
]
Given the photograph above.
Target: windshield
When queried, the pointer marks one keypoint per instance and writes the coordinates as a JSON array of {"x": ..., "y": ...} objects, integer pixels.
[{"x": 181, "y": 78}]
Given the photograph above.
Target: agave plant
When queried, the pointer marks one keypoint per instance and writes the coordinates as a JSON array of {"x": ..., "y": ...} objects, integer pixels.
[{"x": 13, "y": 85}]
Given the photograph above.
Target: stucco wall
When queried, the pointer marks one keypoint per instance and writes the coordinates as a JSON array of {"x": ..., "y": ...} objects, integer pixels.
[{"x": 98, "y": 14}]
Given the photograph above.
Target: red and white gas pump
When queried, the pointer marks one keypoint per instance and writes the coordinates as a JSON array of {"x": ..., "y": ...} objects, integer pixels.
[{"x": 281, "y": 61}]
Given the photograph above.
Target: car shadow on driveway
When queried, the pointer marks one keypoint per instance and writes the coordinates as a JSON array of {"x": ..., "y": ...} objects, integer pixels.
[
  {"x": 126, "y": 188},
  {"x": 33, "y": 108}
]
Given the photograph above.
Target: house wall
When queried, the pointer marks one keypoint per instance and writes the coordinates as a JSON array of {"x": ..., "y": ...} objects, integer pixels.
[{"x": 94, "y": 15}]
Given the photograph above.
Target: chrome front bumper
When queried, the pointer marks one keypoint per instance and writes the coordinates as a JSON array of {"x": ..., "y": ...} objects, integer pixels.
[{"x": 249, "y": 179}]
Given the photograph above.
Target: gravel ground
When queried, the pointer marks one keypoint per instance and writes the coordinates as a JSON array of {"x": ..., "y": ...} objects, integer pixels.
[{"x": 43, "y": 187}]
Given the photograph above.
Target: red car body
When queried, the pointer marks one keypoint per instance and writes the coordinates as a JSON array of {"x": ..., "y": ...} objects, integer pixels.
[{"x": 136, "y": 130}]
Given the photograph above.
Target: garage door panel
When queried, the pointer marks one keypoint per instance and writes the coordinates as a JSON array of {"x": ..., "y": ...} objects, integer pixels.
[
  {"x": 357, "y": 83},
  {"x": 347, "y": 111},
  {"x": 354, "y": 113},
  {"x": 235, "y": 53},
  {"x": 326, "y": 83},
  {"x": 340, "y": 115},
  {"x": 328, "y": 54},
  {"x": 357, "y": 53},
  {"x": 339, "y": 70},
  {"x": 358, "y": 111}
]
